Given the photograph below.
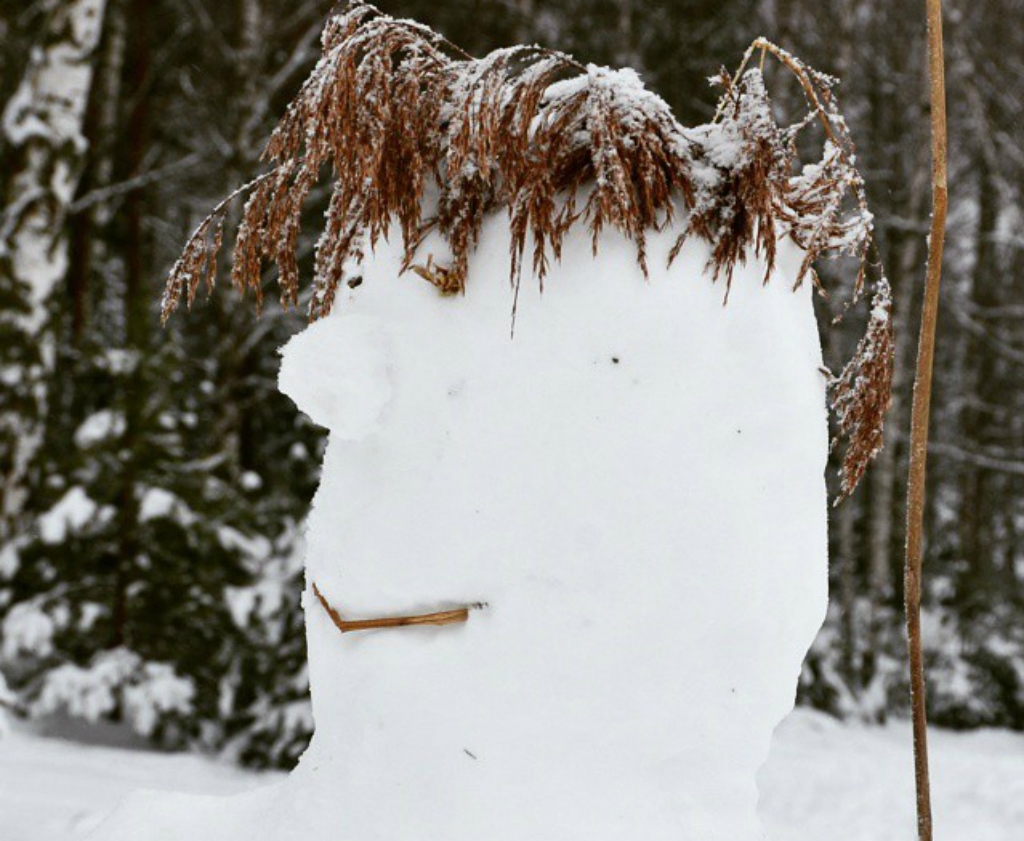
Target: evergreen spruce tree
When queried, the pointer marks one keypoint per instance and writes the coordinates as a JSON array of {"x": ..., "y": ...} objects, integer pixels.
[
  {"x": 119, "y": 601},
  {"x": 147, "y": 577}
]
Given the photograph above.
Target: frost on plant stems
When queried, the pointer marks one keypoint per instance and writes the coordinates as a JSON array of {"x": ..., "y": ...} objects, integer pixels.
[{"x": 417, "y": 134}]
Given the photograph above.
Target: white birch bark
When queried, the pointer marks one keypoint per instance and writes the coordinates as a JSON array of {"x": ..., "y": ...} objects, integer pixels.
[{"x": 42, "y": 132}]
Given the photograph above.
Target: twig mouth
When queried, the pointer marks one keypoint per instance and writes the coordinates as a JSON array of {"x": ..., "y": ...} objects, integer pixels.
[{"x": 444, "y": 617}]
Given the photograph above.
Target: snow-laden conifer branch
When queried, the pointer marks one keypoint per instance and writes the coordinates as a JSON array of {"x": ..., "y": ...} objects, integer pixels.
[{"x": 416, "y": 133}]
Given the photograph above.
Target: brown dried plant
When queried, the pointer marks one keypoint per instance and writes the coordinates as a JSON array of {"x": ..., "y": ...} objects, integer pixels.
[{"x": 416, "y": 133}]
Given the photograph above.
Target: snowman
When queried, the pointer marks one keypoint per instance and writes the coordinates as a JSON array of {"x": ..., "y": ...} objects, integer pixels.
[{"x": 562, "y": 572}]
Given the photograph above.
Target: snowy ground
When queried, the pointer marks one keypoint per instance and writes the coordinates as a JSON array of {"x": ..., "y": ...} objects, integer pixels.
[{"x": 823, "y": 780}]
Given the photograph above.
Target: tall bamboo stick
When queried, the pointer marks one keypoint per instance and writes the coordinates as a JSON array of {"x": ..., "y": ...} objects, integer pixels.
[{"x": 919, "y": 417}]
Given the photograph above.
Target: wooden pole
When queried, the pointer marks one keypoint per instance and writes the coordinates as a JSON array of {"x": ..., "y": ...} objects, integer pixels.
[{"x": 919, "y": 418}]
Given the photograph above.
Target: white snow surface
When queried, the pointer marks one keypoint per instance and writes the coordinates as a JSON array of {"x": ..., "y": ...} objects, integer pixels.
[
  {"x": 822, "y": 780},
  {"x": 633, "y": 485}
]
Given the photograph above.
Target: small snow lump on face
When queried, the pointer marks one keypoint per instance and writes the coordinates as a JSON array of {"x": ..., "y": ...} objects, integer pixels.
[{"x": 352, "y": 384}]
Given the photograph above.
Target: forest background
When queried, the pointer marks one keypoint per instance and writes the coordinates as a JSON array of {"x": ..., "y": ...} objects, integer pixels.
[{"x": 154, "y": 482}]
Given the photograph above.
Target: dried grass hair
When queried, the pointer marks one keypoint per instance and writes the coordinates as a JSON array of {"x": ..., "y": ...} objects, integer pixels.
[{"x": 414, "y": 132}]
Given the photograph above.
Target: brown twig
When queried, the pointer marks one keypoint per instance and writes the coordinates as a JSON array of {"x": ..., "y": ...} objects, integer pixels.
[
  {"x": 919, "y": 419},
  {"x": 444, "y": 617}
]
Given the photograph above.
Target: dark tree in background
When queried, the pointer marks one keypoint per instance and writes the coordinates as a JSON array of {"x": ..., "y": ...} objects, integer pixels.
[{"x": 152, "y": 569}]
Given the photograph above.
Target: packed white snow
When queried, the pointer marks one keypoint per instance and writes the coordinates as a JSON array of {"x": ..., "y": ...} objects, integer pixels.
[
  {"x": 57, "y": 790},
  {"x": 822, "y": 780},
  {"x": 633, "y": 485}
]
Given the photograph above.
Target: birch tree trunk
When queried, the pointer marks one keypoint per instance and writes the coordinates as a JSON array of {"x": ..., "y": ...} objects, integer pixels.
[
  {"x": 44, "y": 146},
  {"x": 89, "y": 249}
]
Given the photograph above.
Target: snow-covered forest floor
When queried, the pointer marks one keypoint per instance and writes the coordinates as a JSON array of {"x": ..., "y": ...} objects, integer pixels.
[{"x": 822, "y": 780}]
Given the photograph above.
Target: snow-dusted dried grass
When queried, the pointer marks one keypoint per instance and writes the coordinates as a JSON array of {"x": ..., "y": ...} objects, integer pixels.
[{"x": 416, "y": 133}]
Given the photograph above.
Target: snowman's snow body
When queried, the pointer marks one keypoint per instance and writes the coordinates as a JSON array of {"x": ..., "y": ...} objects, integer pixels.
[{"x": 632, "y": 483}]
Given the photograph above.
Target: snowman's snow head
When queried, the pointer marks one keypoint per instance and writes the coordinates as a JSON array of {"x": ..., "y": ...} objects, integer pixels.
[{"x": 633, "y": 484}]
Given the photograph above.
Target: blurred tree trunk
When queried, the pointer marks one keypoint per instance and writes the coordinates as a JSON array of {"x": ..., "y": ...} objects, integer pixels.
[
  {"x": 897, "y": 100},
  {"x": 232, "y": 365},
  {"x": 101, "y": 125},
  {"x": 886, "y": 482},
  {"x": 137, "y": 320},
  {"x": 847, "y": 517},
  {"x": 980, "y": 403},
  {"x": 845, "y": 520},
  {"x": 43, "y": 152},
  {"x": 89, "y": 248}
]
